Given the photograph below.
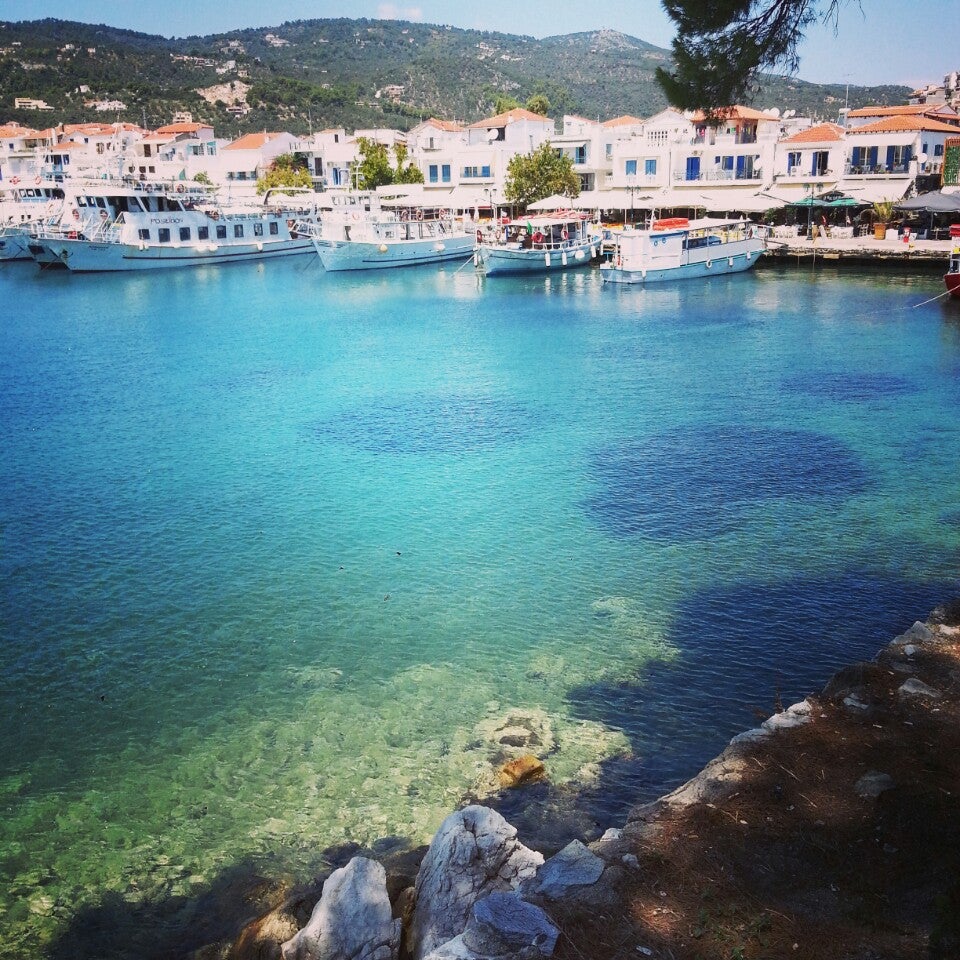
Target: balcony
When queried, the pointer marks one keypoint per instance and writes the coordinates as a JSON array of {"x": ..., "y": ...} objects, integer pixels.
[
  {"x": 878, "y": 170},
  {"x": 718, "y": 176}
]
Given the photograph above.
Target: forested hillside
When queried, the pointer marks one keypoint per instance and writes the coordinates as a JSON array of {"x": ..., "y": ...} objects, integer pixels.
[{"x": 350, "y": 73}]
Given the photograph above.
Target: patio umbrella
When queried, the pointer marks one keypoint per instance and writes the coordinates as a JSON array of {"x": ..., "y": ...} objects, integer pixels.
[
  {"x": 553, "y": 202},
  {"x": 936, "y": 201}
]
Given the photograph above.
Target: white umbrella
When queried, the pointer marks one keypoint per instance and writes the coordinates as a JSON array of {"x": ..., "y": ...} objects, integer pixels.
[{"x": 554, "y": 202}]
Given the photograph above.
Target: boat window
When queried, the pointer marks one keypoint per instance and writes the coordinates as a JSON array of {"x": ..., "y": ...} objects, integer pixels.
[
  {"x": 274, "y": 228},
  {"x": 258, "y": 229},
  {"x": 203, "y": 233},
  {"x": 144, "y": 234},
  {"x": 238, "y": 230},
  {"x": 81, "y": 201},
  {"x": 163, "y": 235},
  {"x": 221, "y": 232},
  {"x": 100, "y": 202},
  {"x": 184, "y": 233}
]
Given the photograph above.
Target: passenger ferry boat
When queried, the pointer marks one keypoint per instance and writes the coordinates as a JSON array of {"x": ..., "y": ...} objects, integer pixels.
[
  {"x": 23, "y": 209},
  {"x": 952, "y": 277},
  {"x": 403, "y": 239},
  {"x": 140, "y": 226},
  {"x": 536, "y": 244},
  {"x": 681, "y": 249}
]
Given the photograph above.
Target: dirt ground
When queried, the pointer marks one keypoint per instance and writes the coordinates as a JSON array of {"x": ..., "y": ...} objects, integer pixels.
[{"x": 801, "y": 857}]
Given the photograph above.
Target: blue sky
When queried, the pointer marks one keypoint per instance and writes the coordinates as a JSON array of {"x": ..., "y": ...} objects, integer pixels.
[{"x": 887, "y": 41}]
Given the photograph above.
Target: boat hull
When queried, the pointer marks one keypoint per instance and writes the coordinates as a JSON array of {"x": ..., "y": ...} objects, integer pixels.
[
  {"x": 952, "y": 281},
  {"x": 89, "y": 256},
  {"x": 364, "y": 255},
  {"x": 14, "y": 245},
  {"x": 722, "y": 261},
  {"x": 494, "y": 260}
]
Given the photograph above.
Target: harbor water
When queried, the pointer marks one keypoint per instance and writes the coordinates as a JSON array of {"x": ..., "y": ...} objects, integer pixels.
[{"x": 280, "y": 550}]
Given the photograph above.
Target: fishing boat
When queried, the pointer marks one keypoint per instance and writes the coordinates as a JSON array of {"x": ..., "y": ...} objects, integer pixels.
[
  {"x": 401, "y": 239},
  {"x": 111, "y": 226},
  {"x": 682, "y": 249},
  {"x": 23, "y": 209},
  {"x": 536, "y": 244},
  {"x": 952, "y": 277}
]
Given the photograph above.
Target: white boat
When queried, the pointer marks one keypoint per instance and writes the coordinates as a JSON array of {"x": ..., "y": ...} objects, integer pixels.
[
  {"x": 140, "y": 226},
  {"x": 537, "y": 244},
  {"x": 24, "y": 208},
  {"x": 405, "y": 239},
  {"x": 681, "y": 249}
]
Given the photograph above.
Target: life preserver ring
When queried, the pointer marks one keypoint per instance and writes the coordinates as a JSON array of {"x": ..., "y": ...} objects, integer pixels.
[
  {"x": 564, "y": 234},
  {"x": 38, "y": 181},
  {"x": 104, "y": 215},
  {"x": 72, "y": 235},
  {"x": 420, "y": 214},
  {"x": 76, "y": 214},
  {"x": 538, "y": 237},
  {"x": 354, "y": 216},
  {"x": 180, "y": 188},
  {"x": 14, "y": 180},
  {"x": 709, "y": 264},
  {"x": 479, "y": 236},
  {"x": 290, "y": 224},
  {"x": 214, "y": 214},
  {"x": 444, "y": 214},
  {"x": 149, "y": 188},
  {"x": 499, "y": 234}
]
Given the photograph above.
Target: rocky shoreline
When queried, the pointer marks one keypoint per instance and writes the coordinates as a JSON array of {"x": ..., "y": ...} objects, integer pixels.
[{"x": 831, "y": 830}]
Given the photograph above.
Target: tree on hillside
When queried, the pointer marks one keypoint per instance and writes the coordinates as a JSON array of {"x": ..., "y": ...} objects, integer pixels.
[
  {"x": 539, "y": 103},
  {"x": 721, "y": 47},
  {"x": 287, "y": 170},
  {"x": 504, "y": 104},
  {"x": 533, "y": 176}
]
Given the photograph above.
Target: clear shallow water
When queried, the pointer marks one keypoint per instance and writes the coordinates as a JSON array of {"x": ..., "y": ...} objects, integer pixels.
[{"x": 280, "y": 549}]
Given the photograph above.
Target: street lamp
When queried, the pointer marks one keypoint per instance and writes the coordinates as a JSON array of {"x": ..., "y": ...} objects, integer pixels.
[{"x": 631, "y": 186}]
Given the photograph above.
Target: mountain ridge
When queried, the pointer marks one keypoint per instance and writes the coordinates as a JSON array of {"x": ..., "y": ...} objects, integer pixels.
[{"x": 302, "y": 74}]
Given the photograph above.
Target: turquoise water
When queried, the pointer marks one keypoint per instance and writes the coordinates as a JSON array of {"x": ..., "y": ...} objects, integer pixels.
[{"x": 282, "y": 550}]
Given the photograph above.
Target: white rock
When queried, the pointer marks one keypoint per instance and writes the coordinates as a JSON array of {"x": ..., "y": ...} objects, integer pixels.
[
  {"x": 874, "y": 783},
  {"x": 794, "y": 716},
  {"x": 918, "y": 633},
  {"x": 352, "y": 919},
  {"x": 909, "y": 650},
  {"x": 612, "y": 834},
  {"x": 475, "y": 853},
  {"x": 574, "y": 866},
  {"x": 917, "y": 688},
  {"x": 751, "y": 736},
  {"x": 855, "y": 703}
]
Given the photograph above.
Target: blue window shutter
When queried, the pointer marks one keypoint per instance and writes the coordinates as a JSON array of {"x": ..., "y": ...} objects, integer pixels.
[{"x": 890, "y": 151}]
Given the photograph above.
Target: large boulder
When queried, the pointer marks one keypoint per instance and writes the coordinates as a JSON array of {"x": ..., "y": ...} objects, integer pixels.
[
  {"x": 573, "y": 867},
  {"x": 475, "y": 853},
  {"x": 504, "y": 927},
  {"x": 352, "y": 921}
]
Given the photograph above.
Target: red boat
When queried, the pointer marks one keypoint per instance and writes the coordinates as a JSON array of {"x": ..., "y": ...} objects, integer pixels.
[{"x": 952, "y": 277}]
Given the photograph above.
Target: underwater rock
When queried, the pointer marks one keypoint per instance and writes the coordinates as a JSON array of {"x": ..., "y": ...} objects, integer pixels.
[
  {"x": 352, "y": 920},
  {"x": 525, "y": 769},
  {"x": 473, "y": 854}
]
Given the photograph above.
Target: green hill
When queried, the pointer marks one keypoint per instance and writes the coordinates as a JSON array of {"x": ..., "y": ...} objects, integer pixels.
[{"x": 320, "y": 73}]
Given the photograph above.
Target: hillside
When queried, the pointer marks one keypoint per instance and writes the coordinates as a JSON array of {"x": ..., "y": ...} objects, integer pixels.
[{"x": 320, "y": 73}]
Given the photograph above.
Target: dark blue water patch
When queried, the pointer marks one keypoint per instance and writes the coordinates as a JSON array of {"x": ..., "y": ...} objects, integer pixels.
[
  {"x": 744, "y": 652},
  {"x": 850, "y": 387},
  {"x": 429, "y": 425},
  {"x": 703, "y": 481}
]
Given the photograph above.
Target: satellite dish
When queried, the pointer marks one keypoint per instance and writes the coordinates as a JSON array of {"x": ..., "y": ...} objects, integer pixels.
[
  {"x": 492, "y": 135},
  {"x": 922, "y": 158}
]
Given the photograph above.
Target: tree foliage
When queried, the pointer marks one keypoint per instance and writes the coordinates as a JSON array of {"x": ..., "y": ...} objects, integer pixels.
[
  {"x": 373, "y": 168},
  {"x": 285, "y": 172},
  {"x": 504, "y": 104},
  {"x": 533, "y": 176},
  {"x": 539, "y": 103},
  {"x": 721, "y": 47}
]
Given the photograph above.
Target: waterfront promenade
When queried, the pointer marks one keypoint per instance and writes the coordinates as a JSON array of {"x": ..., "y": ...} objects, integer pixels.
[{"x": 861, "y": 249}]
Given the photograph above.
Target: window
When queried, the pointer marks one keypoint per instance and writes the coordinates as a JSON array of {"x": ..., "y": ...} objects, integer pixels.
[
  {"x": 793, "y": 159},
  {"x": 184, "y": 233},
  {"x": 630, "y": 168},
  {"x": 938, "y": 149},
  {"x": 144, "y": 234},
  {"x": 258, "y": 229},
  {"x": 221, "y": 232},
  {"x": 445, "y": 172},
  {"x": 432, "y": 173},
  {"x": 485, "y": 171},
  {"x": 650, "y": 168},
  {"x": 580, "y": 155},
  {"x": 203, "y": 233},
  {"x": 274, "y": 229},
  {"x": 608, "y": 151},
  {"x": 163, "y": 235},
  {"x": 238, "y": 230}
]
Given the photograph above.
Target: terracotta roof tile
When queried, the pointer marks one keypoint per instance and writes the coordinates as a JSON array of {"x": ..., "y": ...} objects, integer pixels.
[
  {"x": 905, "y": 125},
  {"x": 625, "y": 121},
  {"x": 905, "y": 110},
  {"x": 252, "y": 141},
  {"x": 822, "y": 133},
  {"x": 511, "y": 116}
]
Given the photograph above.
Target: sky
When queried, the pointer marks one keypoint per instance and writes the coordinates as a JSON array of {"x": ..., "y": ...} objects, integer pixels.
[{"x": 910, "y": 42}]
